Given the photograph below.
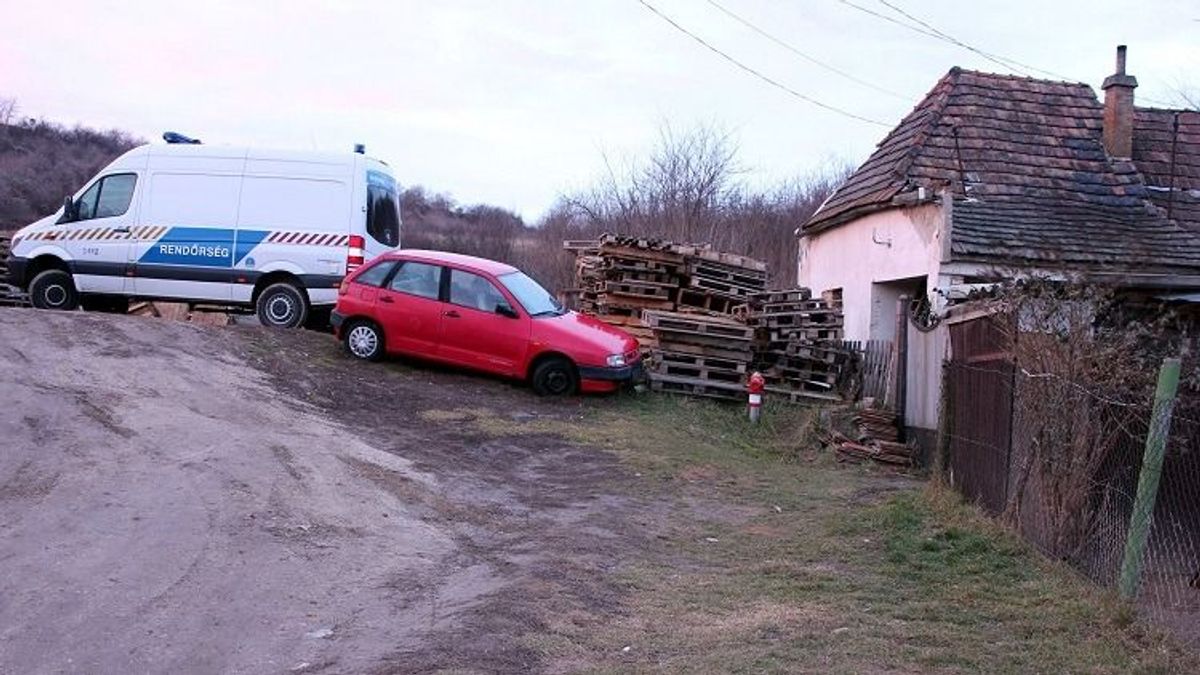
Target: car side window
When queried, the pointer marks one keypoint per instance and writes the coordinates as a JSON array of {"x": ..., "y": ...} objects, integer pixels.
[
  {"x": 375, "y": 274},
  {"x": 415, "y": 278},
  {"x": 108, "y": 197},
  {"x": 474, "y": 291}
]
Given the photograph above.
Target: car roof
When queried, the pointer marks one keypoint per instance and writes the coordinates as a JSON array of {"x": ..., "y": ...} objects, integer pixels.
[{"x": 492, "y": 267}]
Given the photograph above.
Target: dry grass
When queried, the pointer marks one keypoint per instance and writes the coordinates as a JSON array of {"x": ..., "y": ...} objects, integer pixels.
[{"x": 778, "y": 559}]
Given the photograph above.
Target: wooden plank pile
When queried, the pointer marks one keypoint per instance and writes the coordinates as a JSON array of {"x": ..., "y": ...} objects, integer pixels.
[
  {"x": 698, "y": 354},
  {"x": 877, "y": 440},
  {"x": 180, "y": 311},
  {"x": 620, "y": 277},
  {"x": 10, "y": 296},
  {"x": 799, "y": 346}
]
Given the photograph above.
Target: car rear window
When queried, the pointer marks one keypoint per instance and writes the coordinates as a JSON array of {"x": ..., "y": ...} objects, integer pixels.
[{"x": 375, "y": 274}]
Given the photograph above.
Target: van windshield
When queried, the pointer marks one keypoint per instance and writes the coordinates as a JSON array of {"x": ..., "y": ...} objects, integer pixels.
[{"x": 383, "y": 214}]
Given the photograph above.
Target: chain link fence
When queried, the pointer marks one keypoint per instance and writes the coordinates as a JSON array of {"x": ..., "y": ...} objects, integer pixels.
[{"x": 1051, "y": 450}]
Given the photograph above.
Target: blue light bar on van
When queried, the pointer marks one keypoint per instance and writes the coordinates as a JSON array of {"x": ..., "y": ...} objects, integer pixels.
[{"x": 175, "y": 138}]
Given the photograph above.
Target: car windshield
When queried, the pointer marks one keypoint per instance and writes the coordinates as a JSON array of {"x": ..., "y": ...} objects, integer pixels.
[{"x": 535, "y": 299}]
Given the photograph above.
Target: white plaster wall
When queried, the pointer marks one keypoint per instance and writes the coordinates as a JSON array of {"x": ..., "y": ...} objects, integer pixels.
[
  {"x": 849, "y": 257},
  {"x": 888, "y": 246}
]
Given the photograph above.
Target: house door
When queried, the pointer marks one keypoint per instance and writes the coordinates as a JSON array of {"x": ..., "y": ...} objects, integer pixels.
[{"x": 981, "y": 401}]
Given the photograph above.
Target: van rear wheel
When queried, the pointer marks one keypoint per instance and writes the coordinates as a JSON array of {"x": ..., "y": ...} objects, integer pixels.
[
  {"x": 54, "y": 289},
  {"x": 282, "y": 305}
]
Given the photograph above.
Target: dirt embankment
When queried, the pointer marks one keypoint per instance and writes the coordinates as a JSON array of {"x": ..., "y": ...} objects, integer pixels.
[{"x": 185, "y": 499}]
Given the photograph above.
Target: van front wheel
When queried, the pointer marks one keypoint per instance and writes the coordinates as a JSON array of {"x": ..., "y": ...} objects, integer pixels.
[
  {"x": 282, "y": 305},
  {"x": 53, "y": 289}
]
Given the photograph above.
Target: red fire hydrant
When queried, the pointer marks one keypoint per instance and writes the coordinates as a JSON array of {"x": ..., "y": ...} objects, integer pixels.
[{"x": 756, "y": 386}]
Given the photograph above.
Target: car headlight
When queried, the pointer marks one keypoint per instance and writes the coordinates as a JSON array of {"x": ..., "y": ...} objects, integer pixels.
[{"x": 616, "y": 360}]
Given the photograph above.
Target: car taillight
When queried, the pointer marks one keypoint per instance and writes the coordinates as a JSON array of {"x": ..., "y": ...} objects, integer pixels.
[{"x": 354, "y": 255}]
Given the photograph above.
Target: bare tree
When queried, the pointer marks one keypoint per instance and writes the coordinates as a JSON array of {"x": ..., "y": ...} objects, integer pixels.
[
  {"x": 689, "y": 189},
  {"x": 8, "y": 110}
]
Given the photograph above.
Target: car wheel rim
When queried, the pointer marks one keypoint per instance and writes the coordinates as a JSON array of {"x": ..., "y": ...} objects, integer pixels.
[
  {"x": 55, "y": 296},
  {"x": 280, "y": 309},
  {"x": 557, "y": 382},
  {"x": 363, "y": 342}
]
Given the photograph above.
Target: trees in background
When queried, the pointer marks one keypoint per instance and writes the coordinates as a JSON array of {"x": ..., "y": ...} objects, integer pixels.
[
  {"x": 41, "y": 162},
  {"x": 689, "y": 188}
]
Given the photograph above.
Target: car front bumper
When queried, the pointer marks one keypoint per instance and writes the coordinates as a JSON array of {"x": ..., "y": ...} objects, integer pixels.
[
  {"x": 633, "y": 372},
  {"x": 336, "y": 320}
]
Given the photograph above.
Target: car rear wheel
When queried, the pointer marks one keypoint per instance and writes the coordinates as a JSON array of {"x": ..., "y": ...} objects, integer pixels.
[
  {"x": 555, "y": 377},
  {"x": 53, "y": 289},
  {"x": 364, "y": 341},
  {"x": 282, "y": 305}
]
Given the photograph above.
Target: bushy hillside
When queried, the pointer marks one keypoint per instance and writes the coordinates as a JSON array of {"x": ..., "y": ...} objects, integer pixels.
[{"x": 41, "y": 162}]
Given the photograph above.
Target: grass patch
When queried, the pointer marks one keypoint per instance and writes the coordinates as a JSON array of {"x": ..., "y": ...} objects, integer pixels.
[{"x": 781, "y": 560}]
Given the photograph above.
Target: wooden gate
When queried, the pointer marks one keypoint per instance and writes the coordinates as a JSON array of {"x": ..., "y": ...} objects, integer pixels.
[{"x": 980, "y": 378}]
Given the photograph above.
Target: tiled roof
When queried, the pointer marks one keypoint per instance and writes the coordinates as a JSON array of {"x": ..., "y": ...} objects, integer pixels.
[
  {"x": 1030, "y": 178},
  {"x": 1154, "y": 137}
]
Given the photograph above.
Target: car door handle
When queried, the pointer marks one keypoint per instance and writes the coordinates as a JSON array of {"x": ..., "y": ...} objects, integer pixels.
[
  {"x": 121, "y": 230},
  {"x": 386, "y": 298},
  {"x": 451, "y": 314}
]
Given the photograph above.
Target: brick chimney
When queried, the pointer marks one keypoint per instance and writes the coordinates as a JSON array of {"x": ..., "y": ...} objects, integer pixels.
[{"x": 1118, "y": 109}]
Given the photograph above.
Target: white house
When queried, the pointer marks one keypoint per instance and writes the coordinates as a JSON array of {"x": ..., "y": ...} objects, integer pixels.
[{"x": 992, "y": 176}]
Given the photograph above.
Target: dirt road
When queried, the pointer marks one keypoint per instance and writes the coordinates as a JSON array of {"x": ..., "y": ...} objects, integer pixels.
[{"x": 169, "y": 502}]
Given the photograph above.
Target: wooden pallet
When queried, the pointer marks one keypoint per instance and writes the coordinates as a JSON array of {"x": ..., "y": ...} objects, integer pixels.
[
  {"x": 671, "y": 384},
  {"x": 698, "y": 325},
  {"x": 733, "y": 365},
  {"x": 636, "y": 289},
  {"x": 717, "y": 351},
  {"x": 785, "y": 295},
  {"x": 11, "y": 296}
]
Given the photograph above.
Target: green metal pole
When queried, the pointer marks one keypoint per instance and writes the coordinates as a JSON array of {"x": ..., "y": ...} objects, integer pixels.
[{"x": 1147, "y": 492}]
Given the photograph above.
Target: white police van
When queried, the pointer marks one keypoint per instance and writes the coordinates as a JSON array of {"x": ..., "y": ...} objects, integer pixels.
[{"x": 265, "y": 229}]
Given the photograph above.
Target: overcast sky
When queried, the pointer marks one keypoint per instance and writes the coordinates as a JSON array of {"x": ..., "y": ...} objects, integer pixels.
[{"x": 512, "y": 102}]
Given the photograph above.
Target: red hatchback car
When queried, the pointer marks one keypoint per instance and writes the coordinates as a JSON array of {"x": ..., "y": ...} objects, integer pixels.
[{"x": 480, "y": 314}]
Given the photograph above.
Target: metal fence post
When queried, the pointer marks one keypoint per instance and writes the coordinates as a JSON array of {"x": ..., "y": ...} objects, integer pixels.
[{"x": 1147, "y": 492}]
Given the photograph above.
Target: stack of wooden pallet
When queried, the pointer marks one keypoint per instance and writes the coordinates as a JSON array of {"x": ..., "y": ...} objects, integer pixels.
[
  {"x": 878, "y": 440},
  {"x": 799, "y": 349},
  {"x": 720, "y": 282},
  {"x": 698, "y": 354},
  {"x": 620, "y": 277},
  {"x": 10, "y": 296}
]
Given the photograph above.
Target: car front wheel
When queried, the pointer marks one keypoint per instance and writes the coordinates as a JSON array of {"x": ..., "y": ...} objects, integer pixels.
[
  {"x": 53, "y": 289},
  {"x": 364, "y": 341},
  {"x": 555, "y": 377}
]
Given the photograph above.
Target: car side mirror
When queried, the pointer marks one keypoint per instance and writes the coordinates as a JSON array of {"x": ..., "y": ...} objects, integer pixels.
[
  {"x": 505, "y": 309},
  {"x": 70, "y": 211}
]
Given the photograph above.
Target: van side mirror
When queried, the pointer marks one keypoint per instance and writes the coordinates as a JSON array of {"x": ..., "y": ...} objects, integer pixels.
[
  {"x": 70, "y": 211},
  {"x": 505, "y": 309}
]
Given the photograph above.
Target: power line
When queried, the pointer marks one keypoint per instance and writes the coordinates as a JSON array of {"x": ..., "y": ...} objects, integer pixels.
[
  {"x": 929, "y": 31},
  {"x": 926, "y": 29},
  {"x": 995, "y": 58},
  {"x": 755, "y": 73},
  {"x": 807, "y": 57}
]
